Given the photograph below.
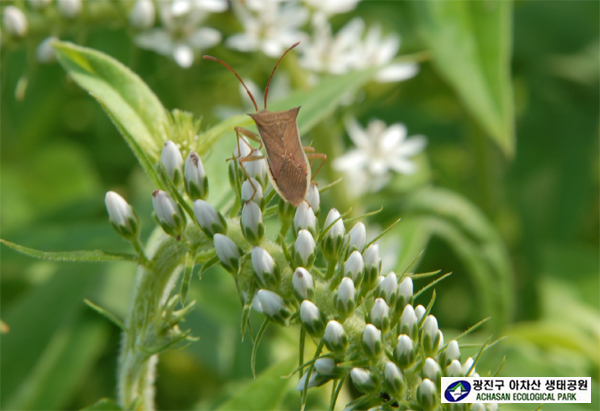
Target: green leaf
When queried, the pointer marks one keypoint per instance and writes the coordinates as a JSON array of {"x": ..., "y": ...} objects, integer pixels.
[
  {"x": 131, "y": 105},
  {"x": 50, "y": 348},
  {"x": 471, "y": 45},
  {"x": 266, "y": 392},
  {"x": 67, "y": 359},
  {"x": 104, "y": 404},
  {"x": 72, "y": 256},
  {"x": 475, "y": 240}
]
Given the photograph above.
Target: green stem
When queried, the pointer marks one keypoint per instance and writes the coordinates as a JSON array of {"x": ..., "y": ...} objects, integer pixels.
[
  {"x": 330, "y": 270},
  {"x": 136, "y": 368},
  {"x": 137, "y": 246}
]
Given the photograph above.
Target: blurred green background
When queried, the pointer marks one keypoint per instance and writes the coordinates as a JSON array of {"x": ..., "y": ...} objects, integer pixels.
[{"x": 60, "y": 154}]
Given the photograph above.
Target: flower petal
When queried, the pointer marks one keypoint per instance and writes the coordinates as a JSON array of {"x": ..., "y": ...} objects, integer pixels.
[
  {"x": 214, "y": 6},
  {"x": 354, "y": 159},
  {"x": 403, "y": 166},
  {"x": 204, "y": 38},
  {"x": 356, "y": 133},
  {"x": 157, "y": 40},
  {"x": 392, "y": 137},
  {"x": 183, "y": 55},
  {"x": 412, "y": 146},
  {"x": 397, "y": 72}
]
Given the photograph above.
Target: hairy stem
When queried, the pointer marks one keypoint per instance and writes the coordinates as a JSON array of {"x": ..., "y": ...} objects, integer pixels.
[{"x": 147, "y": 327}]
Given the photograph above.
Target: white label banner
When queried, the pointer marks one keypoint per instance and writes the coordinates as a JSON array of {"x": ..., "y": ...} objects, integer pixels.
[{"x": 516, "y": 390}]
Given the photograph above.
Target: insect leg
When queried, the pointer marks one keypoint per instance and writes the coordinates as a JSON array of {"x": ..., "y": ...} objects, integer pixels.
[
  {"x": 250, "y": 157},
  {"x": 250, "y": 134},
  {"x": 313, "y": 156}
]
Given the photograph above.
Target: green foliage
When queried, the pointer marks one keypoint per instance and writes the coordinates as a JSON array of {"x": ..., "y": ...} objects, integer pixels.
[
  {"x": 471, "y": 45},
  {"x": 533, "y": 216},
  {"x": 266, "y": 392},
  {"x": 131, "y": 105}
]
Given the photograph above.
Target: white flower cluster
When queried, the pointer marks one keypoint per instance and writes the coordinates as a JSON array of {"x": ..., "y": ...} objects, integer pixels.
[
  {"x": 327, "y": 280},
  {"x": 271, "y": 26},
  {"x": 379, "y": 151},
  {"x": 181, "y": 34}
]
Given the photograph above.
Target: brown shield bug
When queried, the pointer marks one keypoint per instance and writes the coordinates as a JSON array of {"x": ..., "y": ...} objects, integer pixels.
[{"x": 289, "y": 168}]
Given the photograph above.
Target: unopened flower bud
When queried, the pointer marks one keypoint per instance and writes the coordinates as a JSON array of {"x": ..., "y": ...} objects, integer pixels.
[
  {"x": 452, "y": 352},
  {"x": 388, "y": 289},
  {"x": 420, "y": 312},
  {"x": 380, "y": 316},
  {"x": 372, "y": 266},
  {"x": 371, "y": 341},
  {"x": 15, "y": 22},
  {"x": 354, "y": 267},
  {"x": 249, "y": 193},
  {"x": 302, "y": 283},
  {"x": 364, "y": 380},
  {"x": 335, "y": 337},
  {"x": 171, "y": 159},
  {"x": 431, "y": 336},
  {"x": 343, "y": 299},
  {"x": 69, "y": 8},
  {"x": 266, "y": 270},
  {"x": 228, "y": 253},
  {"x": 39, "y": 4},
  {"x": 313, "y": 198},
  {"x": 426, "y": 394},
  {"x": 405, "y": 293},
  {"x": 316, "y": 380},
  {"x": 251, "y": 222},
  {"x": 334, "y": 238},
  {"x": 142, "y": 14},
  {"x": 121, "y": 216},
  {"x": 256, "y": 304},
  {"x": 328, "y": 368},
  {"x": 311, "y": 318},
  {"x": 44, "y": 52},
  {"x": 404, "y": 353},
  {"x": 305, "y": 219},
  {"x": 357, "y": 237},
  {"x": 432, "y": 370},
  {"x": 394, "y": 381},
  {"x": 454, "y": 369},
  {"x": 273, "y": 306},
  {"x": 196, "y": 183},
  {"x": 257, "y": 169},
  {"x": 209, "y": 219},
  {"x": 303, "y": 251},
  {"x": 169, "y": 215},
  {"x": 409, "y": 322},
  {"x": 467, "y": 371}
]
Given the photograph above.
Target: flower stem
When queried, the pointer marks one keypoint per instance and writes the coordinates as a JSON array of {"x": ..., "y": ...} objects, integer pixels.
[{"x": 144, "y": 331}]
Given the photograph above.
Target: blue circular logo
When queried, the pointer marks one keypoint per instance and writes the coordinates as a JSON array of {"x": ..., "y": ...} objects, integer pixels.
[{"x": 457, "y": 391}]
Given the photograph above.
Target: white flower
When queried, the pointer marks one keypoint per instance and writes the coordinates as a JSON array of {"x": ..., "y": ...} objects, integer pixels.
[
  {"x": 338, "y": 54},
  {"x": 331, "y": 7},
  {"x": 351, "y": 49},
  {"x": 269, "y": 26},
  {"x": 379, "y": 150},
  {"x": 181, "y": 34}
]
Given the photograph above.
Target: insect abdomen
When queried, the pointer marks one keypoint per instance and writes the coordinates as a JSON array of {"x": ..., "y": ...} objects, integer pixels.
[{"x": 292, "y": 182}]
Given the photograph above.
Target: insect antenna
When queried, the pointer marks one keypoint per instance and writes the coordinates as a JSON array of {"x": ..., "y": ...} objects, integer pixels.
[
  {"x": 275, "y": 68},
  {"x": 237, "y": 75}
]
